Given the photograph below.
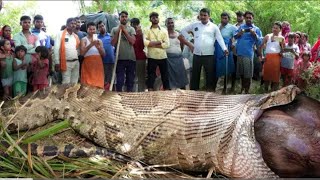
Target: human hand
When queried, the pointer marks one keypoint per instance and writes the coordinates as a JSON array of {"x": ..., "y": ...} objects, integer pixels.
[
  {"x": 57, "y": 67},
  {"x": 253, "y": 32},
  {"x": 226, "y": 52}
]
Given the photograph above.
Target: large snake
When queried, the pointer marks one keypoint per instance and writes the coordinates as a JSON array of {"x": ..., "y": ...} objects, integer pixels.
[{"x": 190, "y": 130}]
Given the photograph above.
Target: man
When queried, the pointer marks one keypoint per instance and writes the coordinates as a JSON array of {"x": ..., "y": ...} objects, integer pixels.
[
  {"x": 28, "y": 40},
  {"x": 77, "y": 30},
  {"x": 247, "y": 36},
  {"x": 43, "y": 38},
  {"x": 176, "y": 70},
  {"x": 66, "y": 53},
  {"x": 126, "y": 64},
  {"x": 205, "y": 34},
  {"x": 108, "y": 59},
  {"x": 240, "y": 18},
  {"x": 140, "y": 55},
  {"x": 156, "y": 40},
  {"x": 227, "y": 31}
]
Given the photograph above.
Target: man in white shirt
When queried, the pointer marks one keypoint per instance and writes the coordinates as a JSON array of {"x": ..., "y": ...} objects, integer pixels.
[
  {"x": 205, "y": 34},
  {"x": 66, "y": 53}
]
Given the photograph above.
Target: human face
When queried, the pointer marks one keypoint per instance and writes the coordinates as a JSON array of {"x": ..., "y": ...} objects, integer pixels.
[
  {"x": 305, "y": 58},
  {"x": 154, "y": 20},
  {"x": 170, "y": 24},
  {"x": 204, "y": 17},
  {"x": 91, "y": 30},
  {"x": 303, "y": 39},
  {"x": 248, "y": 18},
  {"x": 7, "y": 46},
  {"x": 297, "y": 38},
  {"x": 224, "y": 20},
  {"x": 38, "y": 24},
  {"x": 21, "y": 54},
  {"x": 275, "y": 29},
  {"x": 102, "y": 28},
  {"x": 71, "y": 25},
  {"x": 6, "y": 32},
  {"x": 239, "y": 19},
  {"x": 78, "y": 24},
  {"x": 291, "y": 40},
  {"x": 123, "y": 19},
  {"x": 26, "y": 24}
]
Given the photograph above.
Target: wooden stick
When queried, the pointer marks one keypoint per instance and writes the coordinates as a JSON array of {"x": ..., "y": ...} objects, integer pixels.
[{"x": 116, "y": 62}]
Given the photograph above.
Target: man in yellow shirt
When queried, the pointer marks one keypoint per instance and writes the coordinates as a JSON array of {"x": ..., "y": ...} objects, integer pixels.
[{"x": 156, "y": 40}]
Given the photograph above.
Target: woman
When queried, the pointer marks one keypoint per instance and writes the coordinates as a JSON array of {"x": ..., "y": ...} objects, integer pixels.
[
  {"x": 315, "y": 51},
  {"x": 6, "y": 34},
  {"x": 92, "y": 67}
]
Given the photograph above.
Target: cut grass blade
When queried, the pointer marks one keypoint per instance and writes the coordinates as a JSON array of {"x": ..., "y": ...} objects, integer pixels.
[{"x": 47, "y": 132}]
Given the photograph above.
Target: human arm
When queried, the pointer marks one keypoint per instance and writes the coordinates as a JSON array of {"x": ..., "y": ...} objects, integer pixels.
[
  {"x": 84, "y": 48},
  {"x": 184, "y": 33},
  {"x": 164, "y": 44},
  {"x": 220, "y": 40},
  {"x": 130, "y": 36},
  {"x": 147, "y": 40},
  {"x": 56, "y": 51},
  {"x": 100, "y": 48},
  {"x": 262, "y": 46},
  {"x": 16, "y": 66},
  {"x": 114, "y": 36}
]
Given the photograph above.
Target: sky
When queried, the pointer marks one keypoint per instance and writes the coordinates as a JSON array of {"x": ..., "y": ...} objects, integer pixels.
[{"x": 54, "y": 12}]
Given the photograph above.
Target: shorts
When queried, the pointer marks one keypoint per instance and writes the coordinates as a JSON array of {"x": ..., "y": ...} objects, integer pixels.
[
  {"x": 286, "y": 71},
  {"x": 7, "y": 81}
]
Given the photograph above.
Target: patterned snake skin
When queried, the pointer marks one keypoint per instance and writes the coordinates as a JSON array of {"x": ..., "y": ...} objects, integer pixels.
[{"x": 191, "y": 130}]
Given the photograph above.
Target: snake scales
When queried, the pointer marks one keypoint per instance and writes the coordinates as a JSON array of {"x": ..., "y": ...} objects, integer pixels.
[{"x": 192, "y": 130}]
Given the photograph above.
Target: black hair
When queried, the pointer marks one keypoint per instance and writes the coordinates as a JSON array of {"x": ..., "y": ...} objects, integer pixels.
[
  {"x": 23, "y": 18},
  {"x": 305, "y": 35},
  {"x": 91, "y": 24},
  {"x": 248, "y": 12},
  {"x": 278, "y": 23},
  {"x": 225, "y": 14},
  {"x": 135, "y": 21},
  {"x": 100, "y": 22},
  {"x": 76, "y": 18},
  {"x": 2, "y": 42},
  {"x": 153, "y": 14},
  {"x": 205, "y": 10},
  {"x": 44, "y": 52},
  {"x": 123, "y": 12},
  {"x": 239, "y": 13},
  {"x": 306, "y": 53},
  {"x": 69, "y": 20},
  {"x": 169, "y": 18},
  {"x": 63, "y": 27},
  {"x": 37, "y": 17},
  {"x": 291, "y": 35},
  {"x": 19, "y": 48}
]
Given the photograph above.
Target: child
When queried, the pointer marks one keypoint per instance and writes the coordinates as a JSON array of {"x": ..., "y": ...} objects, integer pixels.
[
  {"x": 6, "y": 67},
  {"x": 40, "y": 68},
  {"x": 302, "y": 66},
  {"x": 20, "y": 72},
  {"x": 291, "y": 52}
]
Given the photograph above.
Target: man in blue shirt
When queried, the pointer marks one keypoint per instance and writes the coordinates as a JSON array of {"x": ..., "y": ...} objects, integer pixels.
[
  {"x": 108, "y": 59},
  {"x": 43, "y": 38},
  {"x": 247, "y": 36}
]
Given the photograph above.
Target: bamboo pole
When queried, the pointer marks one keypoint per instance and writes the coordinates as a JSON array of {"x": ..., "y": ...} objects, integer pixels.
[{"x": 116, "y": 62}]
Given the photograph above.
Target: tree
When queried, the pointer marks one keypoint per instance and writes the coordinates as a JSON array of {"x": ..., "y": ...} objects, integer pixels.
[
  {"x": 302, "y": 16},
  {"x": 11, "y": 13}
]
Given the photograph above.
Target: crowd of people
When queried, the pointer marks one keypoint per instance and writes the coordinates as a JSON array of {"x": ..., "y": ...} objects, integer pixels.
[{"x": 31, "y": 60}]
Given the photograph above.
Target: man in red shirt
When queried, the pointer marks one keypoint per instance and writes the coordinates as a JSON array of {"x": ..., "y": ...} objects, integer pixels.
[{"x": 140, "y": 55}]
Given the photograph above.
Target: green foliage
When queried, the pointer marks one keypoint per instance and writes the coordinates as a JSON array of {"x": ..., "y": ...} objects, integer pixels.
[
  {"x": 303, "y": 16},
  {"x": 11, "y": 13}
]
